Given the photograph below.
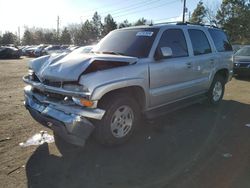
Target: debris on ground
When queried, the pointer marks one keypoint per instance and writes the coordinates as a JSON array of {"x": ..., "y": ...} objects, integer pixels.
[
  {"x": 248, "y": 125},
  {"x": 38, "y": 139},
  {"x": 16, "y": 169},
  {"x": 227, "y": 155},
  {"x": 149, "y": 138},
  {"x": 5, "y": 139}
]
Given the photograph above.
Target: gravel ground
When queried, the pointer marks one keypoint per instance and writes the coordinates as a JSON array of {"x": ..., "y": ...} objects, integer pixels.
[{"x": 198, "y": 146}]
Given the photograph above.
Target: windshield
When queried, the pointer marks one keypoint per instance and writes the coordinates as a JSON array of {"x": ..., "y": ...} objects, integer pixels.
[
  {"x": 245, "y": 51},
  {"x": 130, "y": 42}
]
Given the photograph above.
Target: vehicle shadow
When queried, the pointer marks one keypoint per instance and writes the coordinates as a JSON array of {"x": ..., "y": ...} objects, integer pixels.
[
  {"x": 242, "y": 78},
  {"x": 157, "y": 156}
]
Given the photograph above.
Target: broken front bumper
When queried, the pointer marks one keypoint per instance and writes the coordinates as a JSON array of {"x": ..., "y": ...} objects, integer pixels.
[{"x": 68, "y": 121}]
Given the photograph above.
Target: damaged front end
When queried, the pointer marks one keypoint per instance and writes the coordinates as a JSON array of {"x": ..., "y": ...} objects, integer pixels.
[
  {"x": 56, "y": 97},
  {"x": 54, "y": 108}
]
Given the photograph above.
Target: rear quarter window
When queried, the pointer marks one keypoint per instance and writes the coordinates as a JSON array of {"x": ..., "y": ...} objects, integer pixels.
[{"x": 220, "y": 40}]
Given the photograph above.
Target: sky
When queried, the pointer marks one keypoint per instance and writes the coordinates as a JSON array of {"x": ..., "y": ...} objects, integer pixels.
[{"x": 43, "y": 13}]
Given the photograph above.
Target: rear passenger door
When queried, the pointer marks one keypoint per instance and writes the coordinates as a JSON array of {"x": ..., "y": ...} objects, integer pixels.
[
  {"x": 203, "y": 57},
  {"x": 223, "y": 47},
  {"x": 172, "y": 78}
]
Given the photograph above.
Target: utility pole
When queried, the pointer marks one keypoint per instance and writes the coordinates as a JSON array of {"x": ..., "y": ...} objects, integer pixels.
[
  {"x": 184, "y": 11},
  {"x": 57, "y": 29},
  {"x": 19, "y": 37}
]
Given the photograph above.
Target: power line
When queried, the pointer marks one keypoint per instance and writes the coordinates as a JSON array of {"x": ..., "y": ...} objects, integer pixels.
[
  {"x": 103, "y": 6},
  {"x": 134, "y": 12},
  {"x": 126, "y": 8},
  {"x": 163, "y": 19}
]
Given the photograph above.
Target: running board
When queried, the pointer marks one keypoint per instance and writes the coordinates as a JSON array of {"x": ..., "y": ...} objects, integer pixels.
[{"x": 174, "y": 106}]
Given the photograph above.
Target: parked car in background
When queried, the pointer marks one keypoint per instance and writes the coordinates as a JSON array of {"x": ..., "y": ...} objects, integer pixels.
[
  {"x": 242, "y": 62},
  {"x": 39, "y": 49},
  {"x": 83, "y": 49},
  {"x": 51, "y": 49},
  {"x": 30, "y": 51},
  {"x": 70, "y": 49},
  {"x": 25, "y": 49},
  {"x": 9, "y": 52}
]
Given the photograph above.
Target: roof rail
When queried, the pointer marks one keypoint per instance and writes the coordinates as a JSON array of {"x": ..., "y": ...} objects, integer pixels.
[
  {"x": 184, "y": 23},
  {"x": 162, "y": 23}
]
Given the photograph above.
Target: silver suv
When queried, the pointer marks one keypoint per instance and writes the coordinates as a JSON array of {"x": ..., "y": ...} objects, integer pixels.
[{"x": 135, "y": 71}]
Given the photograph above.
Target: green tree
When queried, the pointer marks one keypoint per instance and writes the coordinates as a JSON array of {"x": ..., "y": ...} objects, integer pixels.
[
  {"x": 109, "y": 25},
  {"x": 28, "y": 38},
  {"x": 125, "y": 23},
  {"x": 38, "y": 36},
  {"x": 74, "y": 30},
  {"x": 199, "y": 14},
  {"x": 141, "y": 21},
  {"x": 9, "y": 38},
  {"x": 85, "y": 35},
  {"x": 233, "y": 16},
  {"x": 65, "y": 36},
  {"x": 97, "y": 26}
]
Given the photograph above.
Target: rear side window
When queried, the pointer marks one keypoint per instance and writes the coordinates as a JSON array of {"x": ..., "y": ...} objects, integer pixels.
[
  {"x": 220, "y": 40},
  {"x": 175, "y": 39},
  {"x": 199, "y": 42}
]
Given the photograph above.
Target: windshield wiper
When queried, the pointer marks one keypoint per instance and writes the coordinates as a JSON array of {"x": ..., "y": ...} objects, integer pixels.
[{"x": 111, "y": 52}]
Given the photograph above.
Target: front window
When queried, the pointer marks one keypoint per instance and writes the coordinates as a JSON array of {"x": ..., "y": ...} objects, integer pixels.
[{"x": 130, "y": 42}]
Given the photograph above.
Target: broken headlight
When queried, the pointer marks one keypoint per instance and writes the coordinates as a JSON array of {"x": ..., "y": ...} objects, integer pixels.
[{"x": 75, "y": 87}]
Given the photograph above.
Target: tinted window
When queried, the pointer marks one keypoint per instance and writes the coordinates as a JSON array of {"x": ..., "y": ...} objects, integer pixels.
[
  {"x": 220, "y": 40},
  {"x": 175, "y": 39},
  {"x": 130, "y": 42},
  {"x": 199, "y": 42}
]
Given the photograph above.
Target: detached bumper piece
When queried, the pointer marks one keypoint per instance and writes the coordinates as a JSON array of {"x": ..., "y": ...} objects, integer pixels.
[{"x": 72, "y": 127}]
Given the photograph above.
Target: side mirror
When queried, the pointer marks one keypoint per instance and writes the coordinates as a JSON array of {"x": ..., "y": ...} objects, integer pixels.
[{"x": 163, "y": 53}]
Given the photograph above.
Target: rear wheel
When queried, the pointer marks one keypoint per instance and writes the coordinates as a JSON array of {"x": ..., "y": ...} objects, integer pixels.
[
  {"x": 120, "y": 120},
  {"x": 216, "y": 91}
]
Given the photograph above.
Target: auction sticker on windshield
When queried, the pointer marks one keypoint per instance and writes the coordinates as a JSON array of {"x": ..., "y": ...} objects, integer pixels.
[{"x": 145, "y": 33}]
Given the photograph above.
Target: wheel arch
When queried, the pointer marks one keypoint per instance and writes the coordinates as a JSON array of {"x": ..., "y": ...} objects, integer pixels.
[{"x": 134, "y": 91}]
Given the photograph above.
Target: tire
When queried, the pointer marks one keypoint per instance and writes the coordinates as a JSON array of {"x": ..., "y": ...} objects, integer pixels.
[
  {"x": 120, "y": 119},
  {"x": 216, "y": 91}
]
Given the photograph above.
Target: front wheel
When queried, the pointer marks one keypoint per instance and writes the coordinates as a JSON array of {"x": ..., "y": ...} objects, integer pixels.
[
  {"x": 120, "y": 120},
  {"x": 216, "y": 91}
]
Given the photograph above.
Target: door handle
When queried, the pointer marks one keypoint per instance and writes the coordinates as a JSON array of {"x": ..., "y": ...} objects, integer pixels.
[
  {"x": 212, "y": 61},
  {"x": 189, "y": 65}
]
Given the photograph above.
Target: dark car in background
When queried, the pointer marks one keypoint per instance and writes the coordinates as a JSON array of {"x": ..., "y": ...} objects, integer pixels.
[
  {"x": 242, "y": 62},
  {"x": 7, "y": 52}
]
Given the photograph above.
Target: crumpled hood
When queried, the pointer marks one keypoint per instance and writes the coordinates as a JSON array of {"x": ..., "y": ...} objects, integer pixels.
[{"x": 68, "y": 67}]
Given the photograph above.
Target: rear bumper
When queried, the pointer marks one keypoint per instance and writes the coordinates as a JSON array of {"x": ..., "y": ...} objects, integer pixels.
[{"x": 66, "y": 122}]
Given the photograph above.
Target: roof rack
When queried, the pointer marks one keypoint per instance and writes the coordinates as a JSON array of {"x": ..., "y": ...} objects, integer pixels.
[{"x": 185, "y": 23}]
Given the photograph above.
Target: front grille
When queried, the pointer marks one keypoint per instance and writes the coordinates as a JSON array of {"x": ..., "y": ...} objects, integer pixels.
[
  {"x": 52, "y": 83},
  {"x": 50, "y": 95}
]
